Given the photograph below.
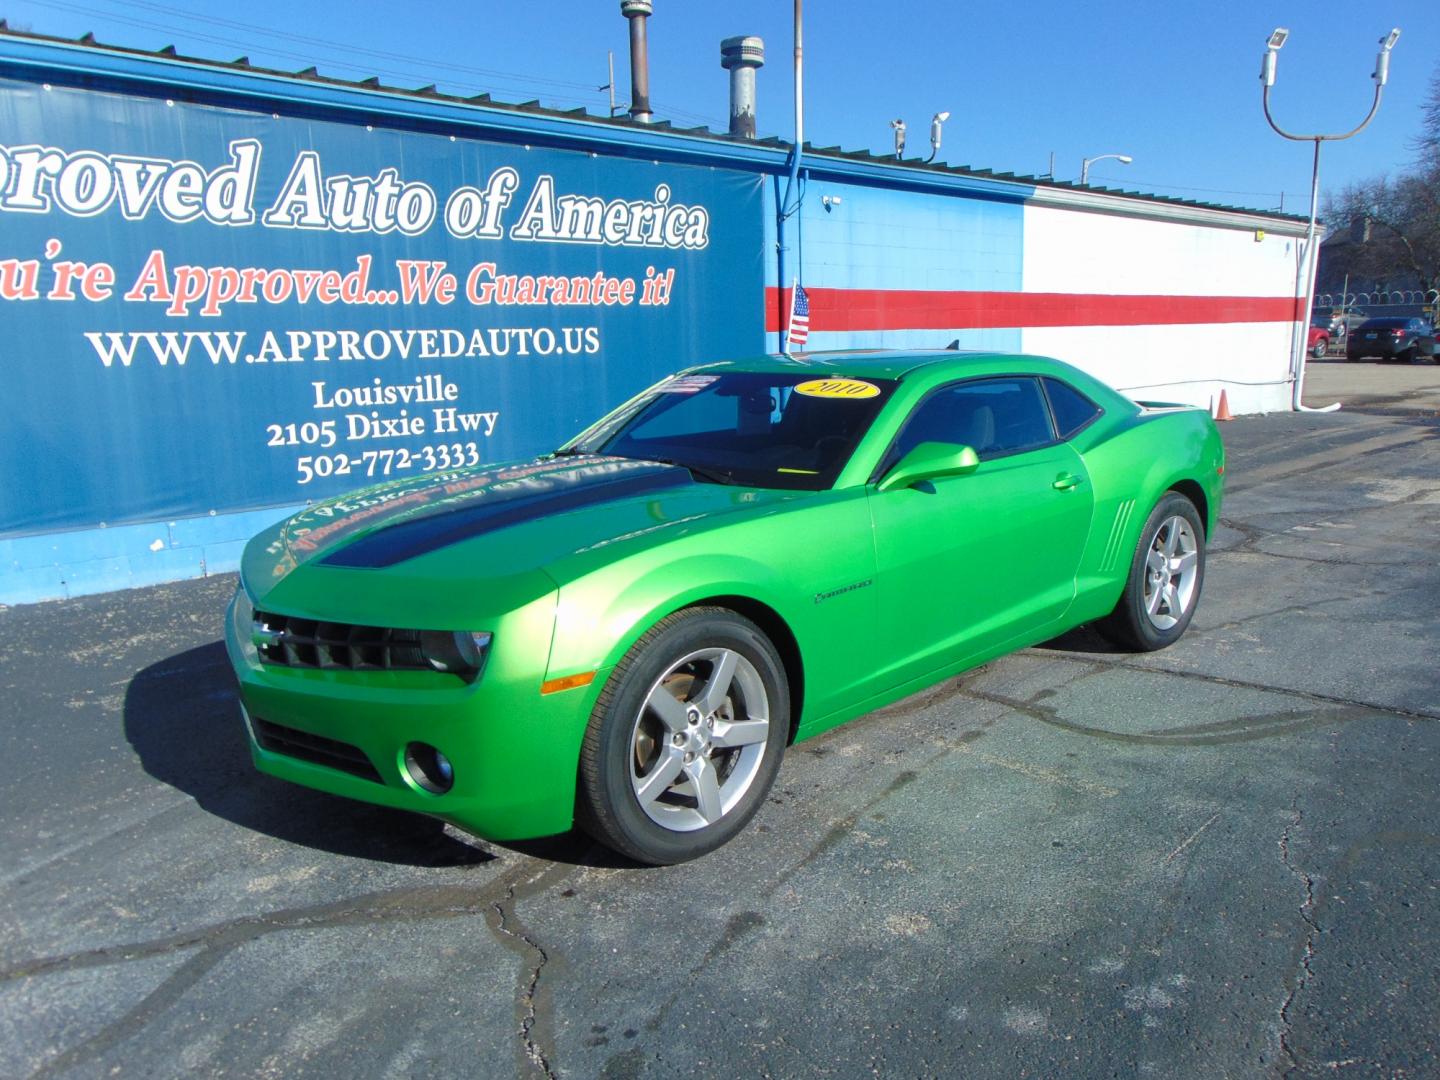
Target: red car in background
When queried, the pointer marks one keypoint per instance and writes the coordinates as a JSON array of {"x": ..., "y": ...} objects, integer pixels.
[{"x": 1319, "y": 340}]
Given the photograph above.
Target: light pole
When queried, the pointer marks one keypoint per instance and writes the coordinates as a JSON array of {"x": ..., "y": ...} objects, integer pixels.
[
  {"x": 1305, "y": 272},
  {"x": 1123, "y": 159}
]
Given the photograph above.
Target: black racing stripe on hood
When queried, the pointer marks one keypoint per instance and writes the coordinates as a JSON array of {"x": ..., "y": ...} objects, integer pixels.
[{"x": 392, "y": 544}]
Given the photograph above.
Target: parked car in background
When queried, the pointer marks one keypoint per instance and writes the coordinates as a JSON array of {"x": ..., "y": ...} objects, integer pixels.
[
  {"x": 1319, "y": 340},
  {"x": 1392, "y": 339}
]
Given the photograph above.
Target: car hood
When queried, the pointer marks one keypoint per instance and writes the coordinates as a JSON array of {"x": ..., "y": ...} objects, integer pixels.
[{"x": 502, "y": 525}]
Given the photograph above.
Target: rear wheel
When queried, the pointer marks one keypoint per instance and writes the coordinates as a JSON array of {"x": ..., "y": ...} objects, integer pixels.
[
  {"x": 1318, "y": 349},
  {"x": 685, "y": 739},
  {"x": 1166, "y": 575}
]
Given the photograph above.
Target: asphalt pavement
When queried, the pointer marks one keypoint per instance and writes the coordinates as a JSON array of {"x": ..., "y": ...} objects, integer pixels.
[{"x": 1220, "y": 860}]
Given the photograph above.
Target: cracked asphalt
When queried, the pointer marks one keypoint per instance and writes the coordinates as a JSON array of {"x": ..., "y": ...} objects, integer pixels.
[{"x": 1221, "y": 860}]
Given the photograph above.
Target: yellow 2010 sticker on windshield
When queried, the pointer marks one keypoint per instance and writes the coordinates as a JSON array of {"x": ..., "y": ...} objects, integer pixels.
[{"x": 838, "y": 388}]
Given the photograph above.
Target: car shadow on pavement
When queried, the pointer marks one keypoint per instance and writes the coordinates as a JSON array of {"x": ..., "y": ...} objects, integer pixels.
[
  {"x": 1083, "y": 639},
  {"x": 183, "y": 721}
]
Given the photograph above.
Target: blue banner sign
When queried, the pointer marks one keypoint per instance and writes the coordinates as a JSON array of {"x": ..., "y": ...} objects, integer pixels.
[{"x": 209, "y": 309}]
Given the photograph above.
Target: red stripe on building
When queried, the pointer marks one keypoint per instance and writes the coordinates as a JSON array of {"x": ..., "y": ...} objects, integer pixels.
[{"x": 903, "y": 309}]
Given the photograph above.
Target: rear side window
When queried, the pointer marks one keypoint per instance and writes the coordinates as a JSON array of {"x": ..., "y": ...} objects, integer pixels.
[{"x": 1072, "y": 409}]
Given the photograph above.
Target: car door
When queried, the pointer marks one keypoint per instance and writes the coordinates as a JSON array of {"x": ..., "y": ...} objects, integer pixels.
[{"x": 967, "y": 563}]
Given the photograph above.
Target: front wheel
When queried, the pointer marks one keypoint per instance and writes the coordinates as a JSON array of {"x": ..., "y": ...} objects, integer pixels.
[
  {"x": 685, "y": 739},
  {"x": 1166, "y": 574},
  {"x": 1317, "y": 350}
]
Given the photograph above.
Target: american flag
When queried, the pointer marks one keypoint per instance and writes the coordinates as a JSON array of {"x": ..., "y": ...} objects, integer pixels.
[{"x": 799, "y": 317}]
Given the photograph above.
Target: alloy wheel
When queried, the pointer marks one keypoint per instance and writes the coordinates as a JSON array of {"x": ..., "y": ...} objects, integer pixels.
[
  {"x": 698, "y": 740},
  {"x": 1170, "y": 573}
]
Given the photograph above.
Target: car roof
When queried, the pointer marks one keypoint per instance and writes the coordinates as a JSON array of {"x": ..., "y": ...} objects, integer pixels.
[{"x": 884, "y": 363}]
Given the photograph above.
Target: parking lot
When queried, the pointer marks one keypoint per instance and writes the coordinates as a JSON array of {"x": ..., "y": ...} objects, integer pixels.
[{"x": 1218, "y": 860}]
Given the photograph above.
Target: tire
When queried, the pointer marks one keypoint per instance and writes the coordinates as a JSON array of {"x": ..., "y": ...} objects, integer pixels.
[
  {"x": 669, "y": 772},
  {"x": 1410, "y": 355},
  {"x": 1162, "y": 588},
  {"x": 1317, "y": 351}
]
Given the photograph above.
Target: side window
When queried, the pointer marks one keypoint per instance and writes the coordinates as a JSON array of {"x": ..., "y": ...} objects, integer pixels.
[
  {"x": 1073, "y": 410},
  {"x": 994, "y": 416}
]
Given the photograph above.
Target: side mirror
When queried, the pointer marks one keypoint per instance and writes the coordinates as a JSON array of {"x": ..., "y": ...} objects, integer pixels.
[{"x": 930, "y": 461}]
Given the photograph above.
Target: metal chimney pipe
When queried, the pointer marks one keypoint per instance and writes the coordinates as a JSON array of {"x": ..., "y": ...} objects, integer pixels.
[
  {"x": 741, "y": 56},
  {"x": 637, "y": 11}
]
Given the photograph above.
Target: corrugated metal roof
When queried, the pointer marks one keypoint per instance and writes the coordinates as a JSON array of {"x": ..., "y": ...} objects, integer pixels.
[{"x": 430, "y": 92}]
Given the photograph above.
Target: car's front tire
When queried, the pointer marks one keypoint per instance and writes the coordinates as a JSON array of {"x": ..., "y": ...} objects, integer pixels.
[
  {"x": 685, "y": 739},
  {"x": 1163, "y": 586},
  {"x": 1317, "y": 351}
]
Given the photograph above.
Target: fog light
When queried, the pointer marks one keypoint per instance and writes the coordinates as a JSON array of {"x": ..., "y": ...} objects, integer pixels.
[{"x": 429, "y": 768}]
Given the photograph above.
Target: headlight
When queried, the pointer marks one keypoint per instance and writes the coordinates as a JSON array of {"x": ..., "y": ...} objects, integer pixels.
[
  {"x": 459, "y": 652},
  {"x": 242, "y": 622}
]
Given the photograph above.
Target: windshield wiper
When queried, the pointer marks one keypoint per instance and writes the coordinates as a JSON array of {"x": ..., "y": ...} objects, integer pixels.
[{"x": 700, "y": 472}]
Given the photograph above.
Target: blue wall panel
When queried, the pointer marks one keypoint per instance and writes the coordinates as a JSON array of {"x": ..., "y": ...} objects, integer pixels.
[
  {"x": 864, "y": 238},
  {"x": 129, "y": 403}
]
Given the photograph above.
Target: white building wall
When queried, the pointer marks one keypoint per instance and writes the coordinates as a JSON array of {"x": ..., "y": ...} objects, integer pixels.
[{"x": 1239, "y": 343}]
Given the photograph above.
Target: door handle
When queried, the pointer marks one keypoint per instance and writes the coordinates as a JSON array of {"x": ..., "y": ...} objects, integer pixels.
[{"x": 1066, "y": 481}]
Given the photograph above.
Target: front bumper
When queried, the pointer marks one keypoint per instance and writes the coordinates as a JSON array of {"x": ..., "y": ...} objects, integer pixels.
[{"x": 515, "y": 752}]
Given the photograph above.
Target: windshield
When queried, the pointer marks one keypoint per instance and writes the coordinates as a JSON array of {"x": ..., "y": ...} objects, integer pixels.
[{"x": 759, "y": 430}]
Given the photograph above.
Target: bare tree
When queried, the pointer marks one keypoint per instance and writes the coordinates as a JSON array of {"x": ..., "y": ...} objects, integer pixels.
[{"x": 1387, "y": 229}]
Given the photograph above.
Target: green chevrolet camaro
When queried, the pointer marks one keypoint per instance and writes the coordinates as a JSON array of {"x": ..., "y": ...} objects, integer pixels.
[{"x": 627, "y": 633}]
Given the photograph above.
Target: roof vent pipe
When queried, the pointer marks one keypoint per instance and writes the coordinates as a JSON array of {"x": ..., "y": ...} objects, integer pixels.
[
  {"x": 638, "y": 11},
  {"x": 741, "y": 56}
]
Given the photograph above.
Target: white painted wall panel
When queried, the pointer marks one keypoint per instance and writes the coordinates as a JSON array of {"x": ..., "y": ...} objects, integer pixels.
[
  {"x": 1068, "y": 251},
  {"x": 1074, "y": 251},
  {"x": 1185, "y": 364}
]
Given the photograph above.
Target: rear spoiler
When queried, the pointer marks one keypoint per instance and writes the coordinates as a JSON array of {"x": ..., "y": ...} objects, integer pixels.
[{"x": 1164, "y": 406}]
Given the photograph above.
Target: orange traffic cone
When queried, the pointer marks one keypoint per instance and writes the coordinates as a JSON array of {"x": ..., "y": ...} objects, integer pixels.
[{"x": 1223, "y": 411}]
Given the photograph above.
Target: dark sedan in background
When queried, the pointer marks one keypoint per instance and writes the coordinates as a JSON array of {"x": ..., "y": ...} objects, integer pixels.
[{"x": 1391, "y": 339}]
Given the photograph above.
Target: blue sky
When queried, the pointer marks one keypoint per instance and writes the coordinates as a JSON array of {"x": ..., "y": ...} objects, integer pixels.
[{"x": 1174, "y": 86}]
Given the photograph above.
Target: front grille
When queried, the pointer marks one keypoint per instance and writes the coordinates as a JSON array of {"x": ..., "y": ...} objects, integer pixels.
[
  {"x": 310, "y": 643},
  {"x": 315, "y": 749}
]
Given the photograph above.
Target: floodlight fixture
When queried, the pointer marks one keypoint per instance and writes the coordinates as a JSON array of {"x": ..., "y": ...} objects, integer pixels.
[
  {"x": 1381, "y": 74},
  {"x": 899, "y": 126},
  {"x": 935, "y": 122},
  {"x": 1278, "y": 37}
]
